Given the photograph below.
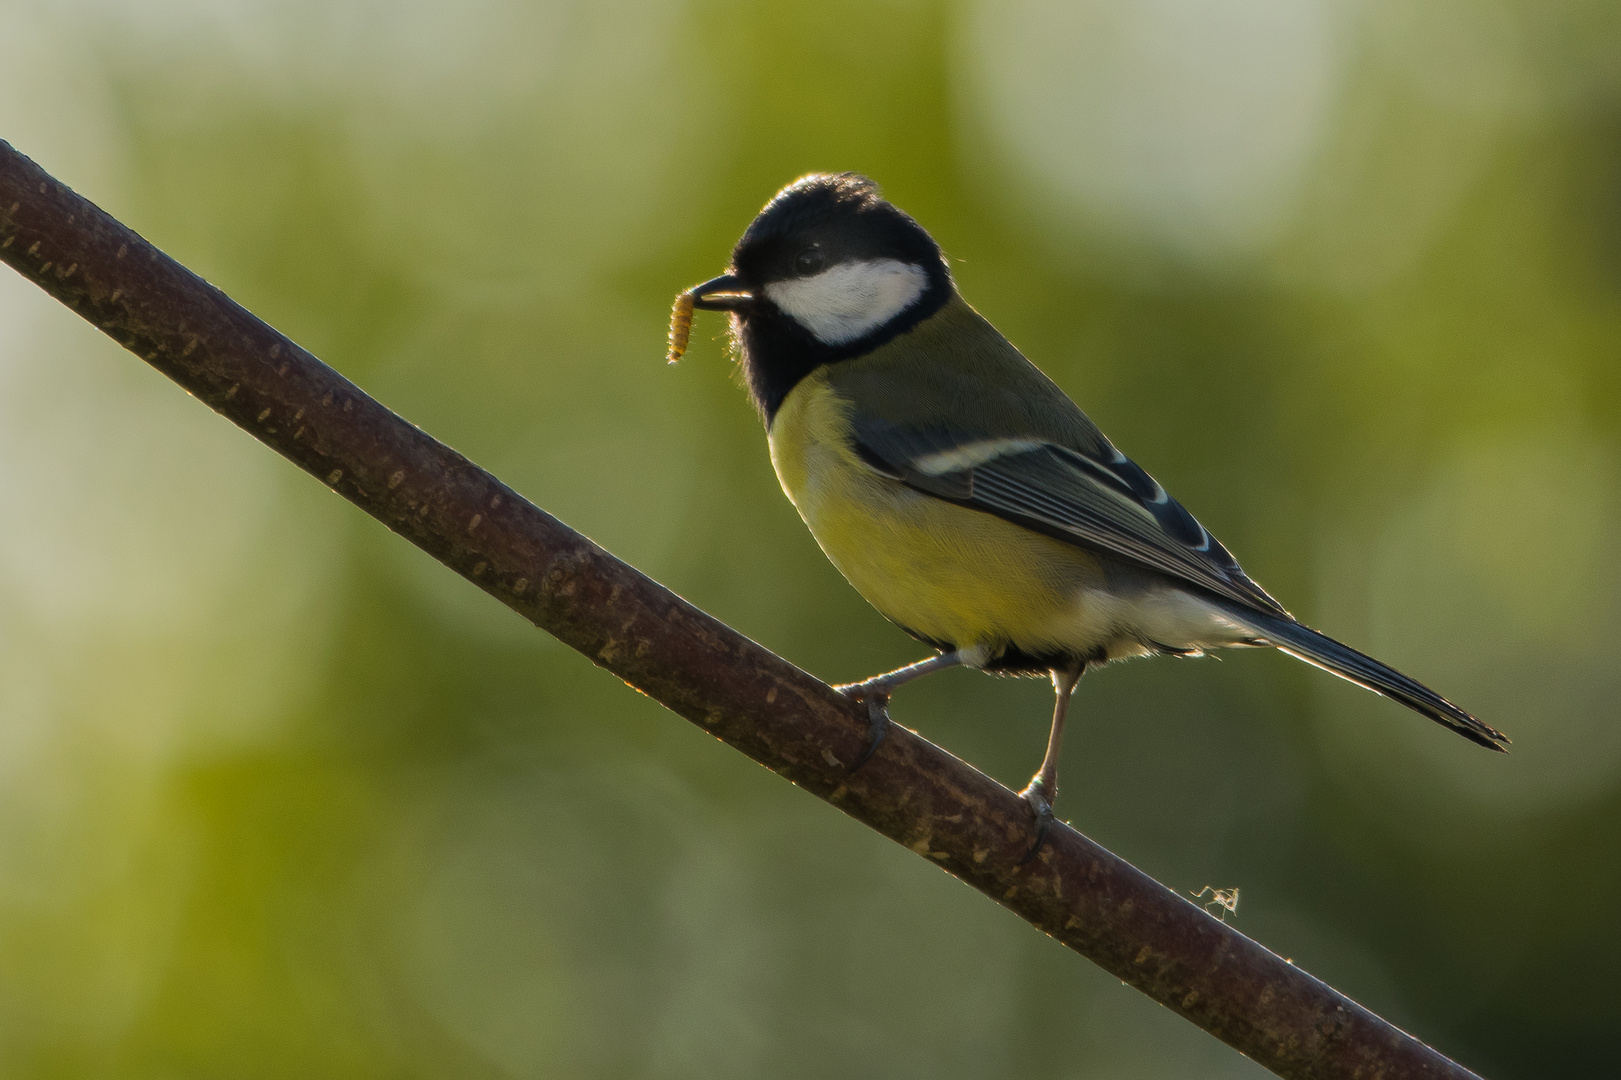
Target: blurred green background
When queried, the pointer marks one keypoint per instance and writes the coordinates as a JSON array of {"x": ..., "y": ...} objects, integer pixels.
[{"x": 281, "y": 797}]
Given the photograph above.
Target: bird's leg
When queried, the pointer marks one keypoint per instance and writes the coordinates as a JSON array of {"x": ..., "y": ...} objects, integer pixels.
[
  {"x": 876, "y": 690},
  {"x": 1043, "y": 789}
]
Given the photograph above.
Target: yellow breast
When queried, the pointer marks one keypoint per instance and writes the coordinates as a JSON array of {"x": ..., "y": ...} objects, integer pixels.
[{"x": 952, "y": 575}]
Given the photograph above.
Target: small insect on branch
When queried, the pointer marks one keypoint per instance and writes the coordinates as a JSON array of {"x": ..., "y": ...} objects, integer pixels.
[{"x": 1226, "y": 899}]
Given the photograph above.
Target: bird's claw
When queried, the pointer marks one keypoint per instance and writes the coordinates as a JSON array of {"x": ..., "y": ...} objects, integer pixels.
[
  {"x": 877, "y": 717},
  {"x": 1036, "y": 797}
]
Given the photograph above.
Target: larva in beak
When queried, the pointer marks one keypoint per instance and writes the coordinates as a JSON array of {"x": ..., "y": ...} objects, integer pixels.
[{"x": 680, "y": 326}]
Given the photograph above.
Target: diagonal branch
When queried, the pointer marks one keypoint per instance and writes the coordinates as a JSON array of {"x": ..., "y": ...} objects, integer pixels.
[{"x": 912, "y": 791}]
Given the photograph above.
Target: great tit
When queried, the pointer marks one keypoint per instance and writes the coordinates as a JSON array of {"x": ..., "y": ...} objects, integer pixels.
[{"x": 960, "y": 491}]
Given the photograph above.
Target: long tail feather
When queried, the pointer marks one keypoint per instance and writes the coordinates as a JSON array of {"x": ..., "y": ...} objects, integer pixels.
[{"x": 1304, "y": 643}]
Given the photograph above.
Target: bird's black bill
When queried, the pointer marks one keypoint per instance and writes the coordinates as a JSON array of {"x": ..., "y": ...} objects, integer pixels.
[{"x": 724, "y": 293}]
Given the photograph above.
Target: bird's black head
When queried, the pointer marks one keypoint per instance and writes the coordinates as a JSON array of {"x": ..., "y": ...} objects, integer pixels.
[{"x": 828, "y": 271}]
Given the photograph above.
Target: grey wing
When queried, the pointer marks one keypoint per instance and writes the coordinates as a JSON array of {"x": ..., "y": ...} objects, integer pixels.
[{"x": 1104, "y": 502}]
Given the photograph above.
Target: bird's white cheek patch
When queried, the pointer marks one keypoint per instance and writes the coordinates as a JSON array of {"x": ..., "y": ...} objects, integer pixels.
[{"x": 851, "y": 299}]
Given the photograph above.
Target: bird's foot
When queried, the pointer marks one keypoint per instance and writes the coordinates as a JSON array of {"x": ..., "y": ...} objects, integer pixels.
[
  {"x": 877, "y": 700},
  {"x": 1036, "y": 797}
]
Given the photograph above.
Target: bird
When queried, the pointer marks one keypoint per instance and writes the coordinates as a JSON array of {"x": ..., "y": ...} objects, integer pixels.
[{"x": 961, "y": 492}]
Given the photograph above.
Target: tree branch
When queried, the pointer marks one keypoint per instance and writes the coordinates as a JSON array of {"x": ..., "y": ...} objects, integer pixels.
[{"x": 912, "y": 791}]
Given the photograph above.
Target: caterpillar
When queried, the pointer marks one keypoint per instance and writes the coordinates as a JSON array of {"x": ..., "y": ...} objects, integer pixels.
[{"x": 680, "y": 326}]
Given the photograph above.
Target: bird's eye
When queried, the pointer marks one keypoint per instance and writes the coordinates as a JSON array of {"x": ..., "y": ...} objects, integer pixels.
[{"x": 809, "y": 261}]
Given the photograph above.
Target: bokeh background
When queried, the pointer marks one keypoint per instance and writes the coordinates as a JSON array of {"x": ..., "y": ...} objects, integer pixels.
[{"x": 281, "y": 797}]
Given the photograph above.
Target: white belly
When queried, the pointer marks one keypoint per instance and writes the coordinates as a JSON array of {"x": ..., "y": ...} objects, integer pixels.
[{"x": 1133, "y": 623}]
